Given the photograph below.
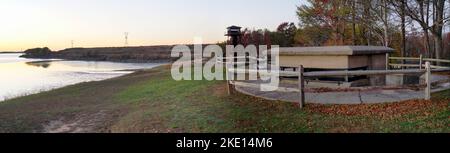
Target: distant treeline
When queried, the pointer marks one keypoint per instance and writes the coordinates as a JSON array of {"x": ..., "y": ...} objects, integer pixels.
[
  {"x": 117, "y": 54},
  {"x": 6, "y": 52},
  {"x": 144, "y": 54},
  {"x": 38, "y": 53}
]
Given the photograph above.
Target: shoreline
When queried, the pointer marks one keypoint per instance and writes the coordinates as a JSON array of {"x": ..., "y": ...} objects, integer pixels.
[
  {"x": 142, "y": 54},
  {"x": 87, "y": 60},
  {"x": 132, "y": 54},
  {"x": 28, "y": 93},
  {"x": 11, "y": 52}
]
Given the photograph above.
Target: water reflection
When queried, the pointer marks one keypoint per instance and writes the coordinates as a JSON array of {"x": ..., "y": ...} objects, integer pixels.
[
  {"x": 19, "y": 76},
  {"x": 43, "y": 64}
]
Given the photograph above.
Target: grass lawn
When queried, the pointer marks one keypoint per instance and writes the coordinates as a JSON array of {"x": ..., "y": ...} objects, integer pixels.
[{"x": 150, "y": 101}]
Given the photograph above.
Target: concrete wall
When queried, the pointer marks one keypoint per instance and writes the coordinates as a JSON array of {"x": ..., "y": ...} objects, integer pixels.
[
  {"x": 372, "y": 62},
  {"x": 378, "y": 62},
  {"x": 375, "y": 62},
  {"x": 325, "y": 62},
  {"x": 358, "y": 61}
]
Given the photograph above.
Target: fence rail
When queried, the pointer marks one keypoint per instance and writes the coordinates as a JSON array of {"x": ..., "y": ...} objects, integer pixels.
[
  {"x": 241, "y": 57},
  {"x": 404, "y": 58},
  {"x": 420, "y": 59},
  {"x": 436, "y": 60},
  {"x": 335, "y": 73}
]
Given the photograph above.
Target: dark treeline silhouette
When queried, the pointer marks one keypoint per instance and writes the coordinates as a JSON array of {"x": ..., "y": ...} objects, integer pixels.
[{"x": 44, "y": 52}]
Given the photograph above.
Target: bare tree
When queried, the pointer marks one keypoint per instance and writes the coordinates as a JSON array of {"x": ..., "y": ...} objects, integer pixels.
[
  {"x": 419, "y": 11},
  {"x": 399, "y": 8},
  {"x": 384, "y": 18},
  {"x": 437, "y": 27},
  {"x": 354, "y": 11},
  {"x": 377, "y": 21},
  {"x": 367, "y": 24},
  {"x": 403, "y": 27}
]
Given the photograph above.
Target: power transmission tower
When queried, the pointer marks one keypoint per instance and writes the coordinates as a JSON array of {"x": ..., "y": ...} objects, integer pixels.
[
  {"x": 72, "y": 43},
  {"x": 126, "y": 38}
]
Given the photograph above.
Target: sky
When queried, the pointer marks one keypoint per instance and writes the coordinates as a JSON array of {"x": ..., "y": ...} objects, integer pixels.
[{"x": 102, "y": 23}]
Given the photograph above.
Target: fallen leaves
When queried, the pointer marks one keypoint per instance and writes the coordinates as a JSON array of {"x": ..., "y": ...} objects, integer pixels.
[{"x": 385, "y": 111}]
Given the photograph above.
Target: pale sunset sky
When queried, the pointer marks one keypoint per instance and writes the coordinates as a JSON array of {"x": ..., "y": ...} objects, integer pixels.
[{"x": 102, "y": 23}]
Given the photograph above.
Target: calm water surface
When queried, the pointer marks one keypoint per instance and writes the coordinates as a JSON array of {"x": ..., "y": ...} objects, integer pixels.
[{"x": 20, "y": 76}]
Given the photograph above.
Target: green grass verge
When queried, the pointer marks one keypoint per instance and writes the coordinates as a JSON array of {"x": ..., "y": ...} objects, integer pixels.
[{"x": 151, "y": 101}]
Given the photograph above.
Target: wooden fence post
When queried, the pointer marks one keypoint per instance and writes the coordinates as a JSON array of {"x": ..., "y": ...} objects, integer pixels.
[
  {"x": 421, "y": 62},
  {"x": 428, "y": 81},
  {"x": 301, "y": 86},
  {"x": 227, "y": 77},
  {"x": 387, "y": 61}
]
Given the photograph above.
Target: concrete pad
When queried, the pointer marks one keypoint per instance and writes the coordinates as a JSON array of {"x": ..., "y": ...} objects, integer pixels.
[
  {"x": 389, "y": 96},
  {"x": 334, "y": 98},
  {"x": 356, "y": 97}
]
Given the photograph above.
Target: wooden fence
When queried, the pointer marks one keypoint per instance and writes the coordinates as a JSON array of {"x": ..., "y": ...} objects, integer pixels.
[
  {"x": 420, "y": 60},
  {"x": 426, "y": 69}
]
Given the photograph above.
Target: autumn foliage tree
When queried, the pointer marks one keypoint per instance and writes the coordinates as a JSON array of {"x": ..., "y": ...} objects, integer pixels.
[
  {"x": 283, "y": 36},
  {"x": 412, "y": 27},
  {"x": 375, "y": 22},
  {"x": 329, "y": 15}
]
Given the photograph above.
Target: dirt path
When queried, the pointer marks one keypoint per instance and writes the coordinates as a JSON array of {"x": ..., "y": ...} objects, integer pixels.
[{"x": 83, "y": 123}]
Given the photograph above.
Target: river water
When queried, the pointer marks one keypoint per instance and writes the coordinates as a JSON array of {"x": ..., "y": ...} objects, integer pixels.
[{"x": 20, "y": 76}]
